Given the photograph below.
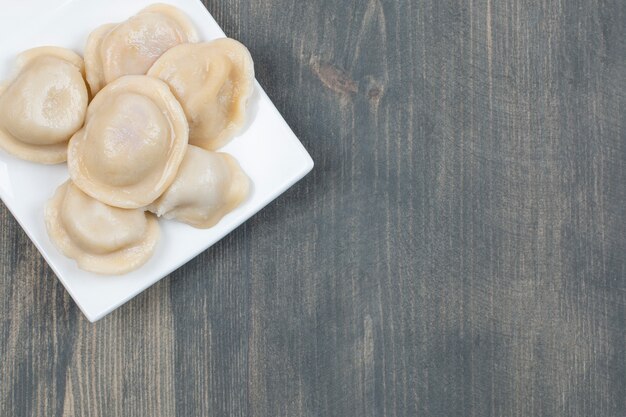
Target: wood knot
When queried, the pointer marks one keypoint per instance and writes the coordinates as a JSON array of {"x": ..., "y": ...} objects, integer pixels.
[
  {"x": 334, "y": 78},
  {"x": 374, "y": 93}
]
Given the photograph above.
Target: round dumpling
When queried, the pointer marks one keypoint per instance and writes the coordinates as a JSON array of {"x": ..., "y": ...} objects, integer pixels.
[
  {"x": 213, "y": 81},
  {"x": 101, "y": 238},
  {"x": 131, "y": 47},
  {"x": 208, "y": 186},
  {"x": 43, "y": 105},
  {"x": 135, "y": 137}
]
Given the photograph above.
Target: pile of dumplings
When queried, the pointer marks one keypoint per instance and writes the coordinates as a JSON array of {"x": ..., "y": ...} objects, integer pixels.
[{"x": 138, "y": 121}]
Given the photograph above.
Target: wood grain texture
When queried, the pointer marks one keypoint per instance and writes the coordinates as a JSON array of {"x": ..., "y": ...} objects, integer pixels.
[{"x": 458, "y": 250}]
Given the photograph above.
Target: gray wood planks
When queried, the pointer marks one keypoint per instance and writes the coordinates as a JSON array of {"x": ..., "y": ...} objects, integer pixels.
[{"x": 459, "y": 249}]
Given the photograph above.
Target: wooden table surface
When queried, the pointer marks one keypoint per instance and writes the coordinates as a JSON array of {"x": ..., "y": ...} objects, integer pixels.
[{"x": 458, "y": 250}]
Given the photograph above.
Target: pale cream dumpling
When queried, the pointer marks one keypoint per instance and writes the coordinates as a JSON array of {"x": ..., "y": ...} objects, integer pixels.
[
  {"x": 208, "y": 186},
  {"x": 213, "y": 81},
  {"x": 101, "y": 238},
  {"x": 43, "y": 104},
  {"x": 134, "y": 139},
  {"x": 131, "y": 47}
]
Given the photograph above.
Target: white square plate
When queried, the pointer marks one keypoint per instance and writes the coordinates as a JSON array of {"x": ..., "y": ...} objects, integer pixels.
[{"x": 267, "y": 150}]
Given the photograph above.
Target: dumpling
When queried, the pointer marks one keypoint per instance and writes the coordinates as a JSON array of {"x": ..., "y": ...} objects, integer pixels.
[
  {"x": 43, "y": 105},
  {"x": 101, "y": 238},
  {"x": 208, "y": 186},
  {"x": 135, "y": 137},
  {"x": 131, "y": 47},
  {"x": 213, "y": 81}
]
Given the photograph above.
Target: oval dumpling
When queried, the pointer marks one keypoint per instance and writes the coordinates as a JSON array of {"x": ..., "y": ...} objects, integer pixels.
[
  {"x": 213, "y": 81},
  {"x": 43, "y": 104},
  {"x": 208, "y": 186},
  {"x": 102, "y": 239},
  {"x": 131, "y": 47},
  {"x": 134, "y": 139}
]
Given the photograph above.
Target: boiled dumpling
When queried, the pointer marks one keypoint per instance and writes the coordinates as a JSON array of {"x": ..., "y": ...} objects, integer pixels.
[
  {"x": 213, "y": 82},
  {"x": 101, "y": 238},
  {"x": 135, "y": 137},
  {"x": 43, "y": 105},
  {"x": 131, "y": 47},
  {"x": 208, "y": 186}
]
